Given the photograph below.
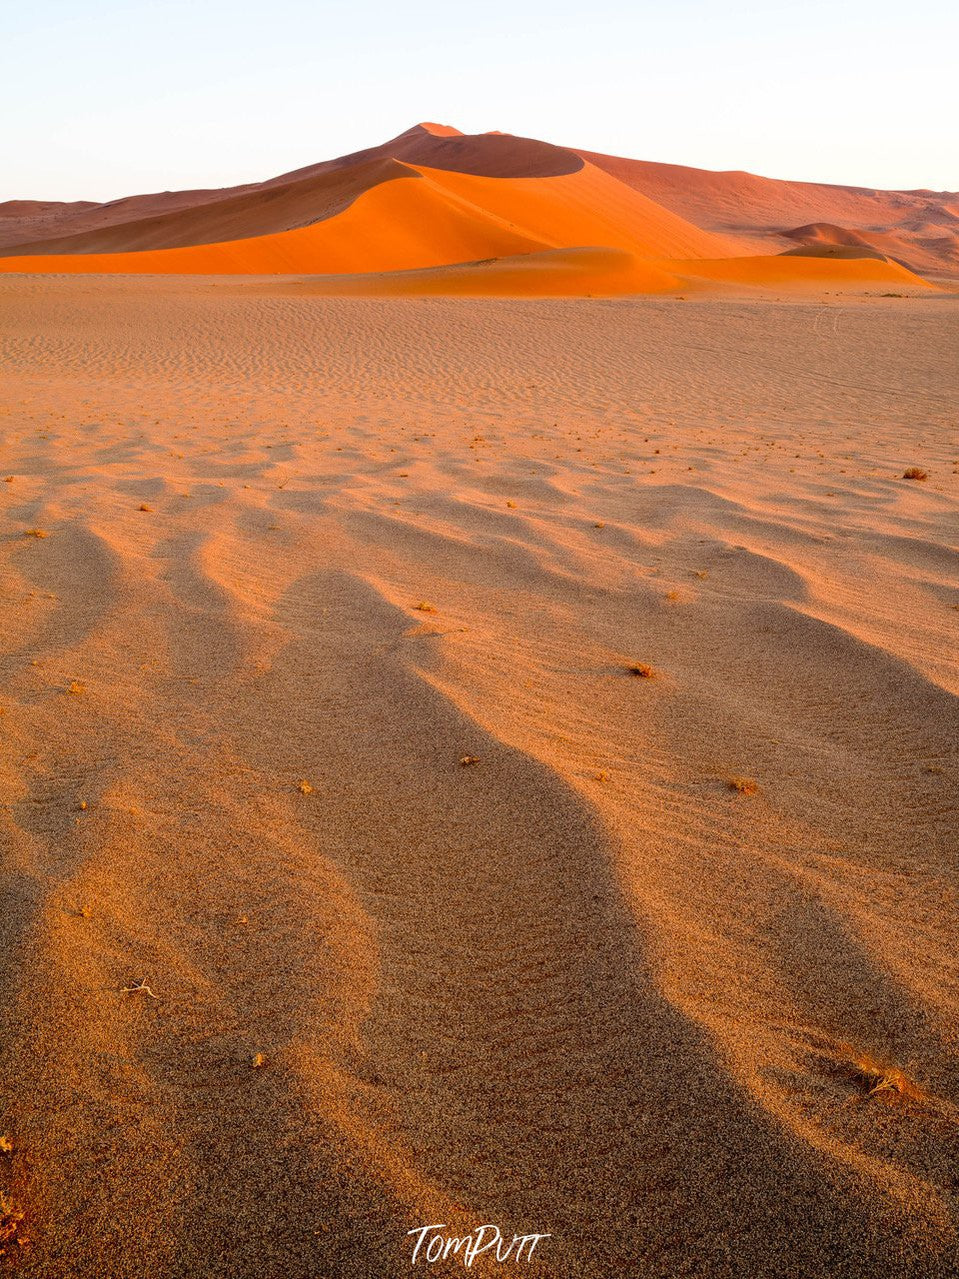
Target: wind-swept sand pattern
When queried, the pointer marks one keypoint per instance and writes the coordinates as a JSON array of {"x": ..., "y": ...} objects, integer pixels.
[{"x": 582, "y": 986}]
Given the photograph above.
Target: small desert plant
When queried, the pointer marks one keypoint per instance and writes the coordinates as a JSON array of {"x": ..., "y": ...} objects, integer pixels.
[
  {"x": 915, "y": 473},
  {"x": 743, "y": 785},
  {"x": 35, "y": 532},
  {"x": 875, "y": 1078},
  {"x": 641, "y": 670},
  {"x": 424, "y": 606},
  {"x": 467, "y": 760},
  {"x": 138, "y": 987}
]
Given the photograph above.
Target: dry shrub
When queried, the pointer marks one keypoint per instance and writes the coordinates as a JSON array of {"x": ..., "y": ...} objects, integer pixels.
[
  {"x": 876, "y": 1079},
  {"x": 743, "y": 785}
]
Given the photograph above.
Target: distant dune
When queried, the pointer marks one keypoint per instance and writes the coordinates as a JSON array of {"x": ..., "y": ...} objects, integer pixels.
[
  {"x": 434, "y": 198},
  {"x": 919, "y": 227}
]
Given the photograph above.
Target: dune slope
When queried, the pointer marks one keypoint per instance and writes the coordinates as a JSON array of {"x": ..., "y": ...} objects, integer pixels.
[
  {"x": 921, "y": 228},
  {"x": 430, "y": 218},
  {"x": 167, "y": 219}
]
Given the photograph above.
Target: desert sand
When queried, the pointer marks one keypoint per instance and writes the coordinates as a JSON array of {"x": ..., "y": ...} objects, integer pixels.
[{"x": 668, "y": 970}]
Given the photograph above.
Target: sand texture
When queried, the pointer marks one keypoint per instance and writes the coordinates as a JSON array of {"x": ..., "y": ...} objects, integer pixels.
[{"x": 668, "y": 971}]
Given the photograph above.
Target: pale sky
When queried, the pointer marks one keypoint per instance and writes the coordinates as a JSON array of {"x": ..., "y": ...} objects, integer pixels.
[{"x": 103, "y": 98}]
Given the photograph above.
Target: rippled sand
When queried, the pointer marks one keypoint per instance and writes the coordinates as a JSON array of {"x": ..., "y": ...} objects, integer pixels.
[{"x": 297, "y": 557}]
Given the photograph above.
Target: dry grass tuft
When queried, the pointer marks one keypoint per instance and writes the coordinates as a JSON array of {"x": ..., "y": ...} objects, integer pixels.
[
  {"x": 258, "y": 1061},
  {"x": 6, "y": 1145},
  {"x": 915, "y": 473},
  {"x": 143, "y": 507},
  {"x": 641, "y": 670},
  {"x": 76, "y": 687},
  {"x": 467, "y": 760},
  {"x": 304, "y": 787},
  {"x": 424, "y": 606},
  {"x": 139, "y": 987},
  {"x": 876, "y": 1079},
  {"x": 35, "y": 532},
  {"x": 743, "y": 785}
]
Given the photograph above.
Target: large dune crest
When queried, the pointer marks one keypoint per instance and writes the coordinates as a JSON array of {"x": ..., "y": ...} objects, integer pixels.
[{"x": 436, "y": 199}]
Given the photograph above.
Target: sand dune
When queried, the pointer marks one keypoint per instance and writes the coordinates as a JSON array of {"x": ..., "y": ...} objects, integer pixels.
[
  {"x": 551, "y": 273},
  {"x": 122, "y": 224},
  {"x": 614, "y": 273},
  {"x": 582, "y": 986},
  {"x": 921, "y": 228},
  {"x": 487, "y": 196},
  {"x": 430, "y": 218},
  {"x": 244, "y": 216},
  {"x": 847, "y": 269}
]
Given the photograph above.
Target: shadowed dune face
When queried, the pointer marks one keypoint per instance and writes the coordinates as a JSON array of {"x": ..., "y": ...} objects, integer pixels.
[
  {"x": 827, "y": 235},
  {"x": 581, "y": 986},
  {"x": 243, "y": 216},
  {"x": 831, "y": 251}
]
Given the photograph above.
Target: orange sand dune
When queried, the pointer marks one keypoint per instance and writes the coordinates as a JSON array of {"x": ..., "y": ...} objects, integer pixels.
[
  {"x": 433, "y": 197},
  {"x": 798, "y": 270},
  {"x": 395, "y": 226},
  {"x": 241, "y": 216},
  {"x": 430, "y": 218},
  {"x": 585, "y": 208},
  {"x": 921, "y": 227},
  {"x": 119, "y": 225},
  {"x": 826, "y": 233},
  {"x": 902, "y": 247},
  {"x": 552, "y": 273},
  {"x": 612, "y": 273}
]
